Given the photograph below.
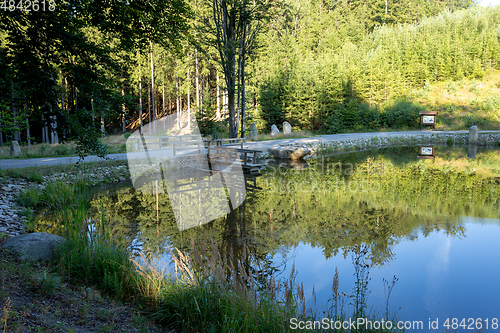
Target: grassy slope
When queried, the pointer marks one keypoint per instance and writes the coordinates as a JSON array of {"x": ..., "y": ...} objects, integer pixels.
[{"x": 465, "y": 102}]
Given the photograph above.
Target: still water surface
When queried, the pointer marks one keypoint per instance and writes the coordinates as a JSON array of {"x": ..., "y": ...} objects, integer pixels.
[{"x": 432, "y": 223}]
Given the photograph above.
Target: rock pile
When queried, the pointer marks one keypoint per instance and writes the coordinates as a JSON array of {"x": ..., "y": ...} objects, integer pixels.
[{"x": 11, "y": 221}]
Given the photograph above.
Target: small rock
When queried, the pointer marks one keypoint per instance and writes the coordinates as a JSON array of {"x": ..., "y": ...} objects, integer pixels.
[{"x": 6, "y": 189}]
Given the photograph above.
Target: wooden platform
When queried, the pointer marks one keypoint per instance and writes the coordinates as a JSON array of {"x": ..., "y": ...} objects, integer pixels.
[{"x": 227, "y": 154}]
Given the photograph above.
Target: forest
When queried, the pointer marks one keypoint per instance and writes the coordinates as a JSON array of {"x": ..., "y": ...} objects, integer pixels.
[{"x": 78, "y": 70}]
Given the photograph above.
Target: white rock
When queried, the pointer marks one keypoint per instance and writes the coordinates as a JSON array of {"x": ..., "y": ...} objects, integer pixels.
[
  {"x": 274, "y": 130},
  {"x": 15, "y": 150},
  {"x": 287, "y": 128}
]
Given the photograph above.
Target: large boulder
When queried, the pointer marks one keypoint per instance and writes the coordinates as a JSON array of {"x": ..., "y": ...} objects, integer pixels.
[
  {"x": 38, "y": 246},
  {"x": 289, "y": 153},
  {"x": 15, "y": 150},
  {"x": 253, "y": 130},
  {"x": 274, "y": 130},
  {"x": 473, "y": 134},
  {"x": 287, "y": 128}
]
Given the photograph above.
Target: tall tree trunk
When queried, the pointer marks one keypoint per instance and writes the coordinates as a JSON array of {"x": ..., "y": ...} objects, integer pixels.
[
  {"x": 230, "y": 103},
  {"x": 240, "y": 61},
  {"x": 197, "y": 82},
  {"x": 188, "y": 100},
  {"x": 28, "y": 136},
  {"x": 124, "y": 126},
  {"x": 62, "y": 92},
  {"x": 53, "y": 133},
  {"x": 178, "y": 103},
  {"x": 103, "y": 129},
  {"x": 110, "y": 121},
  {"x": 163, "y": 102},
  {"x": 69, "y": 99},
  {"x": 140, "y": 99},
  {"x": 201, "y": 93},
  {"x": 152, "y": 87},
  {"x": 243, "y": 85},
  {"x": 149, "y": 108},
  {"x": 218, "y": 97}
]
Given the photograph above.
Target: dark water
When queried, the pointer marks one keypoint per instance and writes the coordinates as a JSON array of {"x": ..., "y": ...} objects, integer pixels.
[{"x": 432, "y": 223}]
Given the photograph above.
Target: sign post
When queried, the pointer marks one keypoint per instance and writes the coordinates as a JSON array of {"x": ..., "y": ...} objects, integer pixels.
[{"x": 428, "y": 118}]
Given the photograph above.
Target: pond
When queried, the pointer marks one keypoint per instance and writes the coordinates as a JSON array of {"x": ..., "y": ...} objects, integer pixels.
[{"x": 430, "y": 225}]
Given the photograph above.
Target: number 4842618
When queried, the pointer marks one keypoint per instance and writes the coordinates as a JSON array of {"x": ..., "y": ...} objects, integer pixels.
[
  {"x": 471, "y": 323},
  {"x": 28, "y": 5}
]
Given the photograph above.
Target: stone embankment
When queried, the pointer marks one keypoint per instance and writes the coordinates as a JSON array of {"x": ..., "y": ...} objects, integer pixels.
[
  {"x": 299, "y": 150},
  {"x": 12, "y": 221}
]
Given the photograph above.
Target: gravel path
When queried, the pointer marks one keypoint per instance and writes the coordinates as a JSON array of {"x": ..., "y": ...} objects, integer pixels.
[{"x": 260, "y": 145}]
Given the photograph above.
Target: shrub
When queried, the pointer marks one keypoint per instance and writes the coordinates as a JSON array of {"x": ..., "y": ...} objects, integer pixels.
[
  {"x": 402, "y": 114},
  {"x": 35, "y": 177},
  {"x": 61, "y": 150},
  {"x": 29, "y": 197},
  {"x": 452, "y": 87}
]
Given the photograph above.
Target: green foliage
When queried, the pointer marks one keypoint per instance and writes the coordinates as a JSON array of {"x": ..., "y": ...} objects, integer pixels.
[
  {"x": 401, "y": 114},
  {"x": 452, "y": 88},
  {"x": 62, "y": 150},
  {"x": 316, "y": 87},
  {"x": 29, "y": 198},
  {"x": 475, "y": 89},
  {"x": 207, "y": 123},
  {"x": 492, "y": 103},
  {"x": 10, "y": 123},
  {"x": 270, "y": 111},
  {"x": 35, "y": 177},
  {"x": 89, "y": 143}
]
